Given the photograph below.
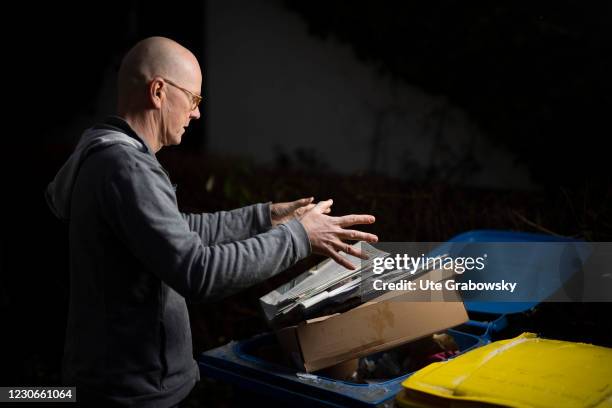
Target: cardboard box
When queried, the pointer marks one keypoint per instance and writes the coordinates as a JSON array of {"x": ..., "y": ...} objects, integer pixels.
[{"x": 393, "y": 319}]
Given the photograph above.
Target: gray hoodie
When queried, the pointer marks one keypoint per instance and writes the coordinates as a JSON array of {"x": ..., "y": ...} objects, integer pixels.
[{"x": 134, "y": 259}]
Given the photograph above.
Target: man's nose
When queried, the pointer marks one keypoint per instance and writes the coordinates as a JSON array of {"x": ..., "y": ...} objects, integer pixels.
[{"x": 195, "y": 114}]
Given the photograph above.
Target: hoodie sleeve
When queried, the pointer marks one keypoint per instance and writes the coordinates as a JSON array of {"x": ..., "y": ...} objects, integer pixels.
[
  {"x": 140, "y": 205},
  {"x": 227, "y": 226}
]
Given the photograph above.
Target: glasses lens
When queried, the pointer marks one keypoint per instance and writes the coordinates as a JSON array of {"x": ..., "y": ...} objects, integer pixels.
[{"x": 195, "y": 102}]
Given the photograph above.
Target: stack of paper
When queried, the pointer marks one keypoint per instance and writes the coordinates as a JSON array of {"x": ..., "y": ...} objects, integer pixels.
[{"x": 328, "y": 287}]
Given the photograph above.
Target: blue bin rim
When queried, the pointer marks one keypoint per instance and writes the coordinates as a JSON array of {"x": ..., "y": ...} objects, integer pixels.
[{"x": 492, "y": 235}]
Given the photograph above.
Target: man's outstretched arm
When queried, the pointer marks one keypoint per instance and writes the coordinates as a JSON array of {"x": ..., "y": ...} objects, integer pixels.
[
  {"x": 242, "y": 223},
  {"x": 140, "y": 206},
  {"x": 227, "y": 226}
]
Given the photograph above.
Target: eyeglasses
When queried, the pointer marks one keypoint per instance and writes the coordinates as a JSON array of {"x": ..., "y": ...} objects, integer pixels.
[{"x": 195, "y": 99}]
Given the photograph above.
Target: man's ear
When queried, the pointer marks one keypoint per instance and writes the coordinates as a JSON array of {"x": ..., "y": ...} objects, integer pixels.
[{"x": 156, "y": 92}]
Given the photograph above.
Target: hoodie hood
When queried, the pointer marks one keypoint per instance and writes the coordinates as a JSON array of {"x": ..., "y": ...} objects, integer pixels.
[{"x": 59, "y": 191}]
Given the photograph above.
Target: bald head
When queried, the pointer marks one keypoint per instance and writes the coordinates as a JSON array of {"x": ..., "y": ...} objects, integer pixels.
[{"x": 156, "y": 56}]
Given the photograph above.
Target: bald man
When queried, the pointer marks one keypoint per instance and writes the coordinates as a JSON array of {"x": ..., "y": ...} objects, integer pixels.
[{"x": 135, "y": 258}]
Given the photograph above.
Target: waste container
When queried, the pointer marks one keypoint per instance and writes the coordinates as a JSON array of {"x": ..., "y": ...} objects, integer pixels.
[
  {"x": 242, "y": 364},
  {"x": 239, "y": 364}
]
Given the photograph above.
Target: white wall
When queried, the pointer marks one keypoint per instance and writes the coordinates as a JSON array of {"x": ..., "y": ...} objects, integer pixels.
[{"x": 267, "y": 78}]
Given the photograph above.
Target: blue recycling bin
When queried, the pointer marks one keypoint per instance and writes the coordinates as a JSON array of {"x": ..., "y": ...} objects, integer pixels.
[
  {"x": 239, "y": 363},
  {"x": 493, "y": 316}
]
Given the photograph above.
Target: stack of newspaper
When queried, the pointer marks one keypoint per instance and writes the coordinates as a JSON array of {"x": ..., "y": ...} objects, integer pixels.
[{"x": 329, "y": 288}]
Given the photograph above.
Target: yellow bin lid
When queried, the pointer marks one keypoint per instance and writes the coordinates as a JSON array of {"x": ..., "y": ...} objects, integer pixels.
[{"x": 526, "y": 371}]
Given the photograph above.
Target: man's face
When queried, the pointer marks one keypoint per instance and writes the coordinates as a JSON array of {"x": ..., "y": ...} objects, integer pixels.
[{"x": 180, "y": 108}]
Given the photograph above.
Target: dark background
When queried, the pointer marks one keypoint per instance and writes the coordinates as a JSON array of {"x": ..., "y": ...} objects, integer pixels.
[{"x": 534, "y": 76}]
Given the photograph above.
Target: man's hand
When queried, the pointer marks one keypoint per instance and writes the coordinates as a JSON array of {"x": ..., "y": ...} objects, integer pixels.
[
  {"x": 283, "y": 212},
  {"x": 325, "y": 232}
]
